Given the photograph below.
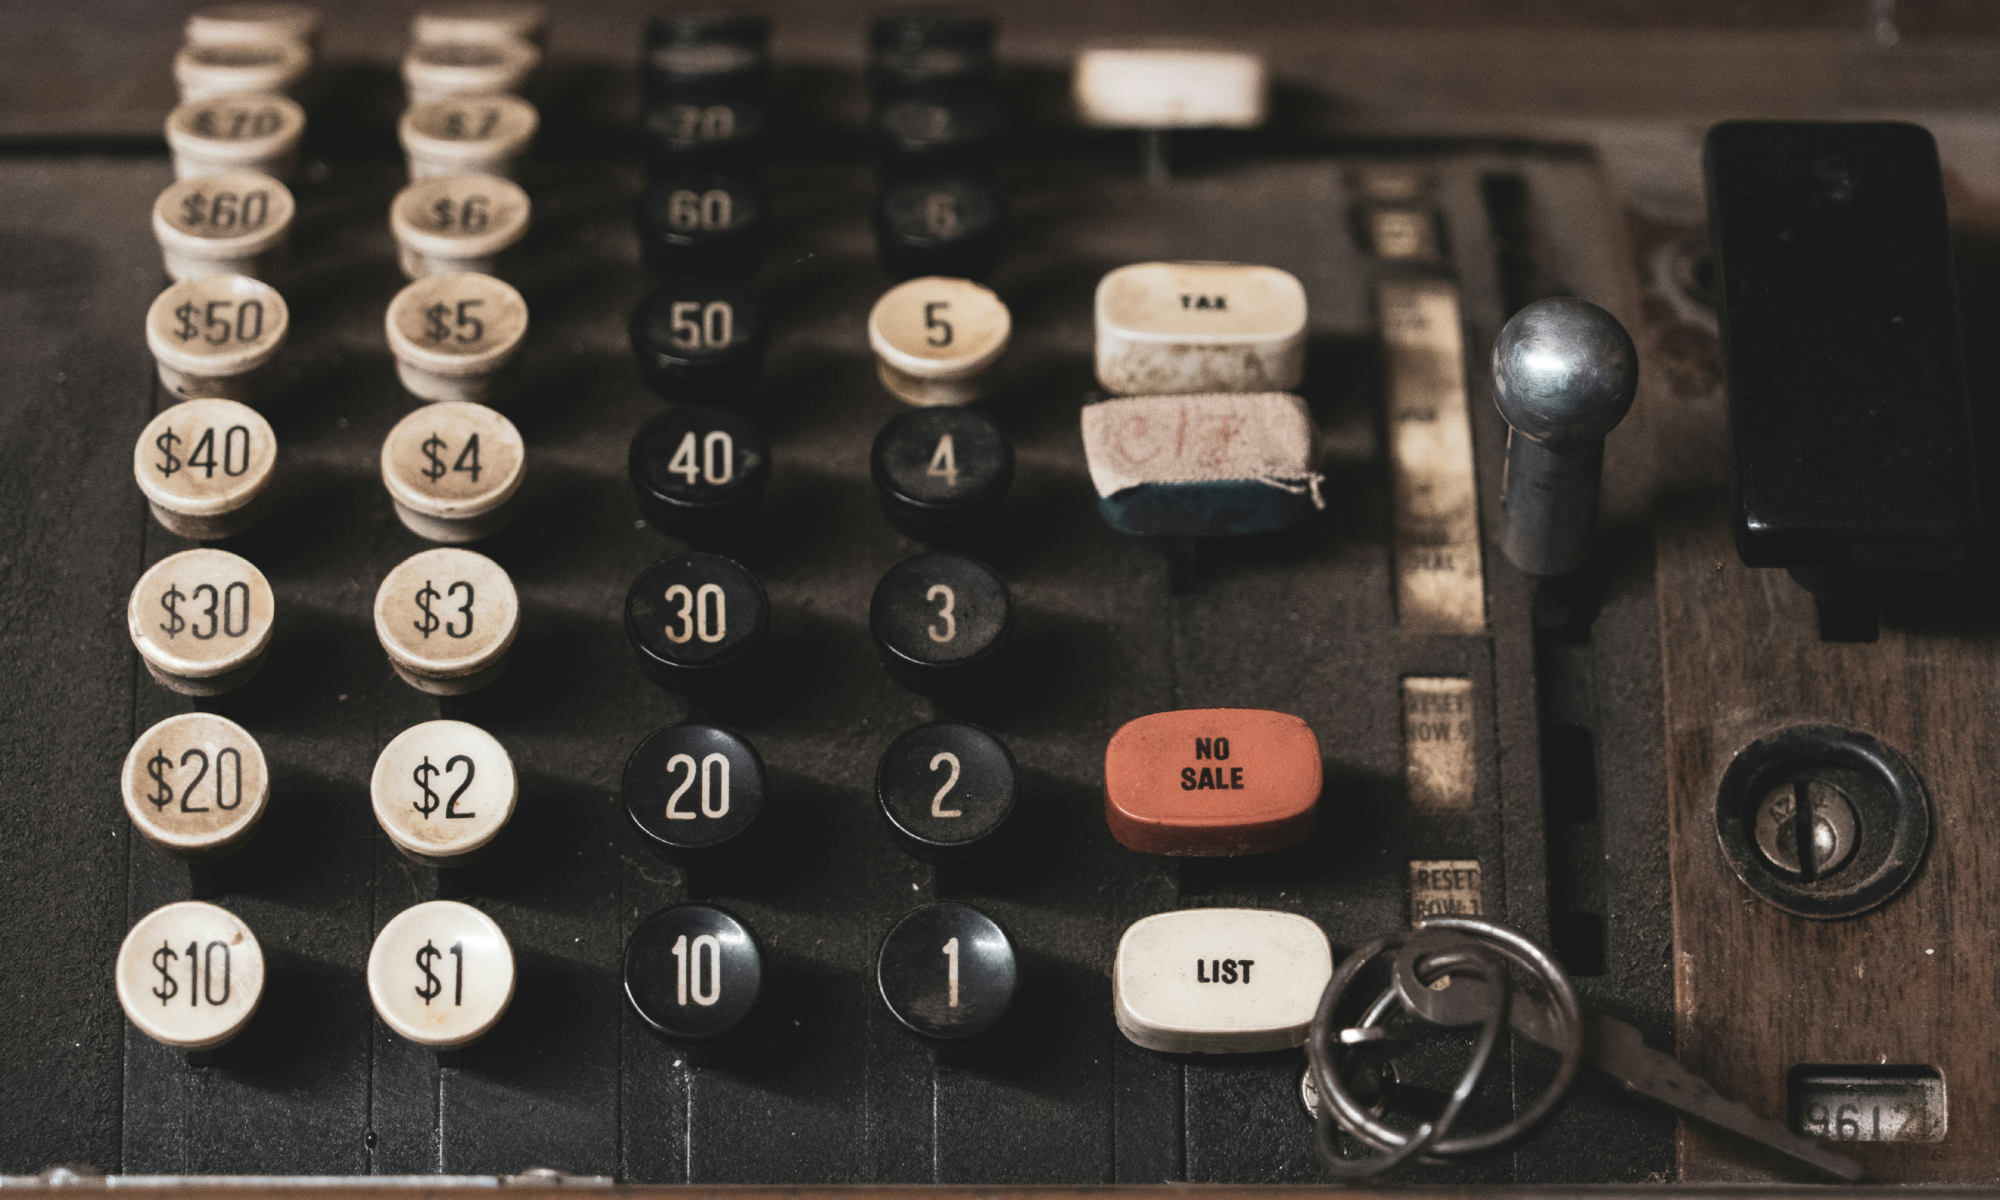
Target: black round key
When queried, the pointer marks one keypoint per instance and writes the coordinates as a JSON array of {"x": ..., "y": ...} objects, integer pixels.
[
  {"x": 937, "y": 129},
  {"x": 703, "y": 54},
  {"x": 940, "y": 225},
  {"x": 694, "y": 617},
  {"x": 709, "y": 25},
  {"x": 684, "y": 133},
  {"x": 920, "y": 50},
  {"x": 939, "y": 622},
  {"x": 698, "y": 338},
  {"x": 941, "y": 472},
  {"x": 699, "y": 471},
  {"x": 947, "y": 971},
  {"x": 704, "y": 223},
  {"x": 694, "y": 790},
  {"x": 693, "y": 972},
  {"x": 946, "y": 789}
]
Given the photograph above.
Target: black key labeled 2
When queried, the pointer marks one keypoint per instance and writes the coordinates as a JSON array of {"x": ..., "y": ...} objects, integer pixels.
[{"x": 946, "y": 789}]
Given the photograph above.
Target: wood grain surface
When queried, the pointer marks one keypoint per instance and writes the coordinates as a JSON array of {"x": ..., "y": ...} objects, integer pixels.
[{"x": 1759, "y": 991}]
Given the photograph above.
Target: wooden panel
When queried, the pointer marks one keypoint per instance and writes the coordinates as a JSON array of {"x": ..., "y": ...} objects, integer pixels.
[{"x": 1758, "y": 991}]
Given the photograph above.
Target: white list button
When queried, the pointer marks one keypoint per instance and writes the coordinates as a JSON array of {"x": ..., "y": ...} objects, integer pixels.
[{"x": 1220, "y": 980}]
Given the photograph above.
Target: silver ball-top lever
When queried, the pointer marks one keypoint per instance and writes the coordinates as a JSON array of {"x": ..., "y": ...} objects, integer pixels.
[{"x": 1564, "y": 372}]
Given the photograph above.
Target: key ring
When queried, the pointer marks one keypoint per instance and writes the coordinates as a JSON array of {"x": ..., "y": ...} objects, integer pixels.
[{"x": 1463, "y": 948}]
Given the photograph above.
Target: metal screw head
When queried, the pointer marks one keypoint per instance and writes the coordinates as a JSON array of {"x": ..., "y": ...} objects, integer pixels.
[
  {"x": 1822, "y": 846},
  {"x": 1564, "y": 372}
]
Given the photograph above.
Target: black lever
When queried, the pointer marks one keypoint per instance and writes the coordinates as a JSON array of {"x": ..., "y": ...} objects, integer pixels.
[{"x": 1849, "y": 427}]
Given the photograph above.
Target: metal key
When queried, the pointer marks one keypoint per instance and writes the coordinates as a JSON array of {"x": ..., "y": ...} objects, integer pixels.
[{"x": 1619, "y": 1050}]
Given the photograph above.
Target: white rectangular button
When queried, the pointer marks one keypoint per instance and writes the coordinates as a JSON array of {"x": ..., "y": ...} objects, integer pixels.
[
  {"x": 1170, "y": 89},
  {"x": 1200, "y": 327},
  {"x": 1220, "y": 980}
]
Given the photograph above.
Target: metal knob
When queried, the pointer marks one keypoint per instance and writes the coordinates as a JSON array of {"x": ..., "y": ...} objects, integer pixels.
[{"x": 1564, "y": 372}]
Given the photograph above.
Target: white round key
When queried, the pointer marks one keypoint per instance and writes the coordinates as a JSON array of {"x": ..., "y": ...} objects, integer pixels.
[
  {"x": 205, "y": 465},
  {"x": 453, "y": 334},
  {"x": 443, "y": 790},
  {"x": 451, "y": 469},
  {"x": 196, "y": 785},
  {"x": 236, "y": 133},
  {"x": 447, "y": 618},
  {"x": 434, "y": 70},
  {"x": 457, "y": 223},
  {"x": 441, "y": 974},
  {"x": 190, "y": 975},
  {"x": 934, "y": 339},
  {"x": 202, "y": 621},
  {"x": 1170, "y": 89},
  {"x": 231, "y": 223},
  {"x": 209, "y": 70},
  {"x": 253, "y": 23},
  {"x": 1220, "y": 980},
  {"x": 1200, "y": 327},
  {"x": 483, "y": 134},
  {"x": 478, "y": 22},
  {"x": 211, "y": 335}
]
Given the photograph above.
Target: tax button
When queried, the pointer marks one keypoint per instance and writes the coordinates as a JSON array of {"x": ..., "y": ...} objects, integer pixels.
[
  {"x": 1212, "y": 782},
  {"x": 1200, "y": 327},
  {"x": 1220, "y": 980}
]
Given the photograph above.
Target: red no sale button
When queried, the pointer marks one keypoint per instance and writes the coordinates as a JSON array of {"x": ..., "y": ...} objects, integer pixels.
[{"x": 1212, "y": 781}]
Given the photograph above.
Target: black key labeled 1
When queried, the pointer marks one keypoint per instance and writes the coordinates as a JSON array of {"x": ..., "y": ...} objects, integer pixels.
[
  {"x": 940, "y": 621},
  {"x": 693, "y": 972},
  {"x": 694, "y": 791},
  {"x": 947, "y": 971},
  {"x": 946, "y": 789}
]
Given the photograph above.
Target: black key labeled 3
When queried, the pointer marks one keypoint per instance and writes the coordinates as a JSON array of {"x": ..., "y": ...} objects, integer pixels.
[{"x": 940, "y": 621}]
